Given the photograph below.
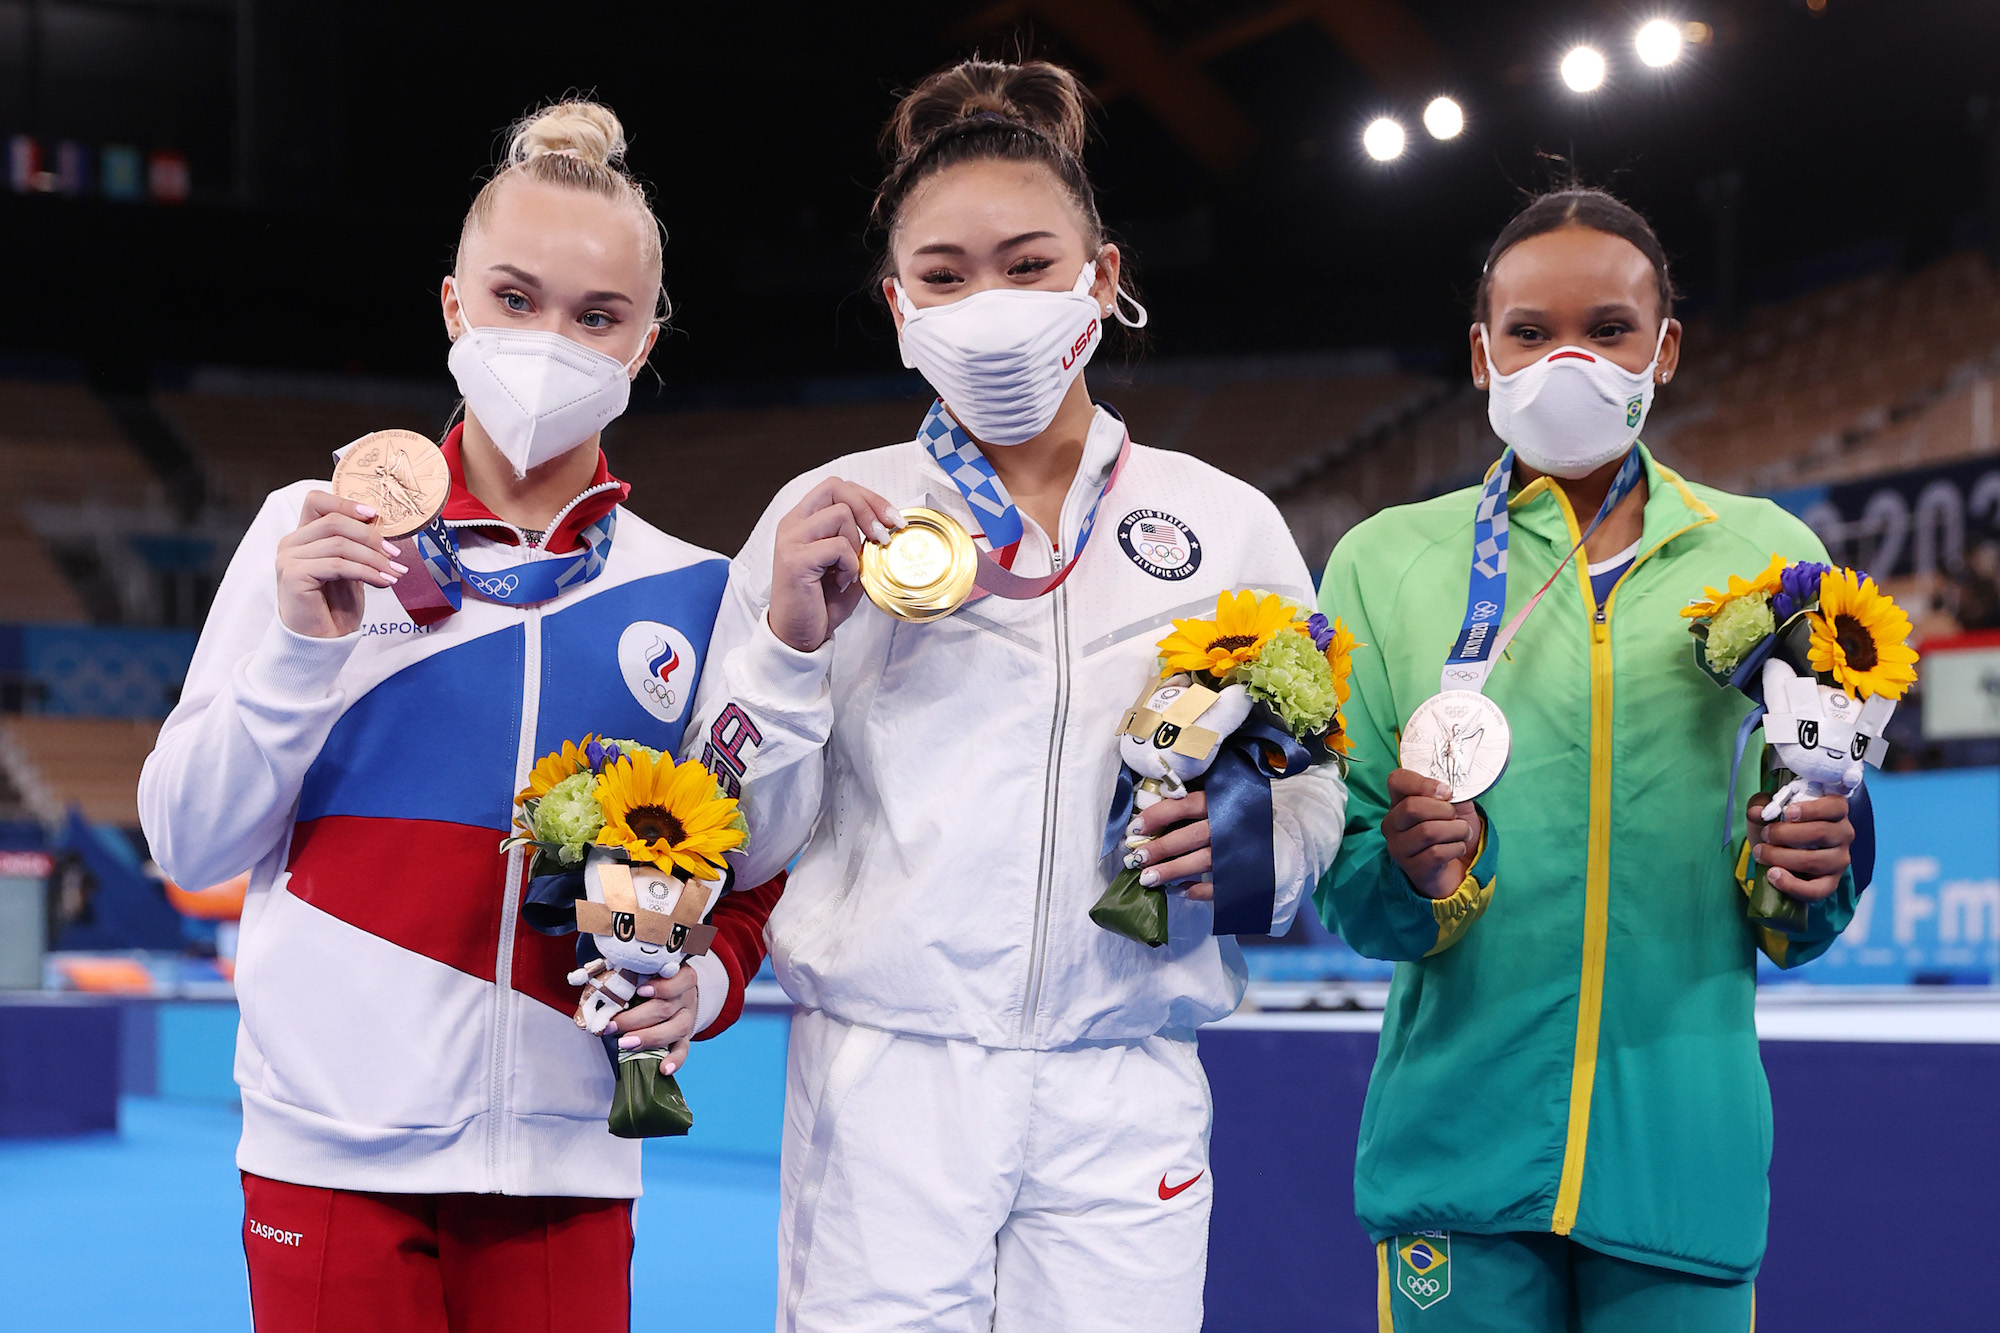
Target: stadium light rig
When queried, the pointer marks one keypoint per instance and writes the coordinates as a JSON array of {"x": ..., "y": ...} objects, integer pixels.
[
  {"x": 1583, "y": 69},
  {"x": 1444, "y": 118},
  {"x": 1658, "y": 43},
  {"x": 1383, "y": 139}
]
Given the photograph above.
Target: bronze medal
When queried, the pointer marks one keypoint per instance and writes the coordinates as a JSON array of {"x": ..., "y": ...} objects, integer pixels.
[
  {"x": 924, "y": 571},
  {"x": 400, "y": 474}
]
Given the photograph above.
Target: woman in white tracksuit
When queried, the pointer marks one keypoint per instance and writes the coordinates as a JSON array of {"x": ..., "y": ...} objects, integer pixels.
[{"x": 995, "y": 1117}]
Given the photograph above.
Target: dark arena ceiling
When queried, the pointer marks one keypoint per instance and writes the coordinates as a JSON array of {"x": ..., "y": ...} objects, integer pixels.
[{"x": 332, "y": 149}]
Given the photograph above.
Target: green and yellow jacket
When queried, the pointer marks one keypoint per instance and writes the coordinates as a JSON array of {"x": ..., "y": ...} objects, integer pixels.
[{"x": 1570, "y": 1042}]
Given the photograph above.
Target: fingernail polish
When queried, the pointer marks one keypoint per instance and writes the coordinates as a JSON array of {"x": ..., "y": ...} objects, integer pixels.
[
  {"x": 390, "y": 548},
  {"x": 645, "y": 992},
  {"x": 896, "y": 519},
  {"x": 1136, "y": 826},
  {"x": 879, "y": 533},
  {"x": 1135, "y": 859},
  {"x": 668, "y": 1066},
  {"x": 612, "y": 1026},
  {"x": 1149, "y": 878},
  {"x": 628, "y": 1041},
  {"x": 399, "y": 568},
  {"x": 364, "y": 511}
]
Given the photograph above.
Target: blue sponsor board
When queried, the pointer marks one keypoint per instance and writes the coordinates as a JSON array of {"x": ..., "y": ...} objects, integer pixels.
[
  {"x": 97, "y": 670},
  {"x": 1933, "y": 912}
]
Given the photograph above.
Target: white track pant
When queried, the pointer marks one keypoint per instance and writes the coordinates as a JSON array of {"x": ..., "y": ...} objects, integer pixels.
[{"x": 949, "y": 1187}]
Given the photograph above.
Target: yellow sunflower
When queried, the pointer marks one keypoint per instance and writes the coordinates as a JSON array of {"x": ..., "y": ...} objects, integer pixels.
[
  {"x": 669, "y": 814},
  {"x": 1243, "y": 623},
  {"x": 1340, "y": 656},
  {"x": 1713, "y": 600},
  {"x": 553, "y": 768},
  {"x": 1858, "y": 637}
]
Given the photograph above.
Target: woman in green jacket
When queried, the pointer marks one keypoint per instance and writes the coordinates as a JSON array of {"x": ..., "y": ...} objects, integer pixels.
[{"x": 1568, "y": 1125}]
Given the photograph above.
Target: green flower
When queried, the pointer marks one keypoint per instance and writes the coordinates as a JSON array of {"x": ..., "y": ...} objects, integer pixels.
[
  {"x": 1741, "y": 624},
  {"x": 569, "y": 815},
  {"x": 1293, "y": 677}
]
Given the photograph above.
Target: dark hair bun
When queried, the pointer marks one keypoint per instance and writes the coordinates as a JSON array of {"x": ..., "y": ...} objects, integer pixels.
[{"x": 1046, "y": 98}]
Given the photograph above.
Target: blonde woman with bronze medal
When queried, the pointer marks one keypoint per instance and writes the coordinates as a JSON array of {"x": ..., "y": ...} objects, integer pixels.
[
  {"x": 1567, "y": 1126},
  {"x": 995, "y": 1118},
  {"x": 425, "y": 1144}
]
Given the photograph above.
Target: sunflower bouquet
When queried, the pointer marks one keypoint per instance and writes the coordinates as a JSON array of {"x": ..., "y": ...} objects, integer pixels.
[
  {"x": 1251, "y": 695},
  {"x": 627, "y": 847},
  {"x": 1823, "y": 653}
]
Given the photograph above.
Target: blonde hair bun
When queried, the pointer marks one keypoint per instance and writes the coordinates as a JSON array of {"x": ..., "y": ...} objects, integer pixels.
[{"x": 587, "y": 131}]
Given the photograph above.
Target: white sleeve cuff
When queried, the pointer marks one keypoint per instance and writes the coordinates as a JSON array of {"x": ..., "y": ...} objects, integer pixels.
[
  {"x": 295, "y": 668},
  {"x": 711, "y": 990},
  {"x": 769, "y": 663}
]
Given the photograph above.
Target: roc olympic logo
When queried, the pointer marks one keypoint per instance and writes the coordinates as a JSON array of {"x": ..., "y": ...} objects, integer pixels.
[{"x": 658, "y": 664}]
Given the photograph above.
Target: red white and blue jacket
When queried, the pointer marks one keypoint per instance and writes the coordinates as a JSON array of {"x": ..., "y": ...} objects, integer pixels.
[{"x": 403, "y": 1030}]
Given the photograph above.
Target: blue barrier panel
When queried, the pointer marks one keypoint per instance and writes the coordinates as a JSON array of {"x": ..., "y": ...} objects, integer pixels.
[
  {"x": 1933, "y": 913},
  {"x": 98, "y": 671},
  {"x": 197, "y": 1051},
  {"x": 58, "y": 1067},
  {"x": 1885, "y": 1182},
  {"x": 735, "y": 1085}
]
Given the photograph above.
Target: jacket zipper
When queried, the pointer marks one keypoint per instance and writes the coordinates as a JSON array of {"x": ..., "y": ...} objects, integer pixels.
[
  {"x": 1045, "y": 871},
  {"x": 1597, "y": 873},
  {"x": 503, "y": 962}
]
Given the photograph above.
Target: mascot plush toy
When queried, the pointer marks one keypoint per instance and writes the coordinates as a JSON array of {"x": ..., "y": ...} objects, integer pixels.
[
  {"x": 1823, "y": 737},
  {"x": 1169, "y": 738},
  {"x": 644, "y": 922}
]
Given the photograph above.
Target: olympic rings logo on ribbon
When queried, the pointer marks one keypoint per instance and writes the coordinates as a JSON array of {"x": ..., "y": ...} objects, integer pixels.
[{"x": 494, "y": 586}]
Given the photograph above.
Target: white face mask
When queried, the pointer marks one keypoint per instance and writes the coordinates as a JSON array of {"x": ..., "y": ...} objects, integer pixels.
[
  {"x": 1572, "y": 411},
  {"x": 1002, "y": 359},
  {"x": 537, "y": 394}
]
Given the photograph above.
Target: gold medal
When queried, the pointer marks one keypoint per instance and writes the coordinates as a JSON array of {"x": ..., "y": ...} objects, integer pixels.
[
  {"x": 400, "y": 474},
  {"x": 924, "y": 571}
]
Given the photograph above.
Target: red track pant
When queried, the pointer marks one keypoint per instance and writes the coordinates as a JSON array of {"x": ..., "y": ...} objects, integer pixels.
[{"x": 339, "y": 1261}]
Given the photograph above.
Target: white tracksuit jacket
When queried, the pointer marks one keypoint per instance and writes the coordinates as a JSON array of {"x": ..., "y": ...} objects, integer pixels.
[
  {"x": 402, "y": 1030},
  {"x": 949, "y": 781}
]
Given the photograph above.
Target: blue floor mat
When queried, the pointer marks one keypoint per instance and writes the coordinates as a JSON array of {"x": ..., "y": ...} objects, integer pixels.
[{"x": 141, "y": 1230}]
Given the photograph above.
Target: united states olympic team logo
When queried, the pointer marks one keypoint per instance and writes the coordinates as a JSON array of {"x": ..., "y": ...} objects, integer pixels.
[
  {"x": 1160, "y": 544},
  {"x": 658, "y": 664}
]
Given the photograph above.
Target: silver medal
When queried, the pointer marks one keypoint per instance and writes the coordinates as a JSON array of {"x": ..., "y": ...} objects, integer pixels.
[{"x": 1459, "y": 737}]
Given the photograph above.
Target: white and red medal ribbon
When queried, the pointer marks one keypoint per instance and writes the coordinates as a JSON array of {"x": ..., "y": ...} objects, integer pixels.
[{"x": 960, "y": 456}]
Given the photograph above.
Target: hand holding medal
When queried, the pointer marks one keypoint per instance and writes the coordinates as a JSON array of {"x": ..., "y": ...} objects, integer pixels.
[
  {"x": 1454, "y": 746},
  {"x": 388, "y": 485}
]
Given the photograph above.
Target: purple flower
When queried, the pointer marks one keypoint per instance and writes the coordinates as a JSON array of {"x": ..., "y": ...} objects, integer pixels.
[
  {"x": 598, "y": 754},
  {"x": 1798, "y": 588},
  {"x": 1320, "y": 630}
]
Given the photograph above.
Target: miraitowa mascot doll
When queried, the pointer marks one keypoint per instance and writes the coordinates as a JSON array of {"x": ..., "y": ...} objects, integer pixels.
[
  {"x": 1242, "y": 700},
  {"x": 622, "y": 836},
  {"x": 1822, "y": 652}
]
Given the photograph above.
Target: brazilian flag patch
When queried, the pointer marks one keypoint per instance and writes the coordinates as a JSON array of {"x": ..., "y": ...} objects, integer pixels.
[{"x": 1423, "y": 1266}]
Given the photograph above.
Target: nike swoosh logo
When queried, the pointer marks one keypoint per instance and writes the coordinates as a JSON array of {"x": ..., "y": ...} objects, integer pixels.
[{"x": 1168, "y": 1193}]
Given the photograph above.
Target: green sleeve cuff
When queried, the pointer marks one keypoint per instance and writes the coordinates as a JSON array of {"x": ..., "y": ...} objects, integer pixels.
[{"x": 1455, "y": 915}]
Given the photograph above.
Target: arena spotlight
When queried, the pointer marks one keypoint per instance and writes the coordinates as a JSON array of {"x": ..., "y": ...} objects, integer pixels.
[
  {"x": 1583, "y": 69},
  {"x": 1658, "y": 43},
  {"x": 1383, "y": 139},
  {"x": 1443, "y": 118}
]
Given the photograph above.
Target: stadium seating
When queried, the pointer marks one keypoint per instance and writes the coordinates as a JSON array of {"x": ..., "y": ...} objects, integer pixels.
[
  {"x": 90, "y": 763},
  {"x": 57, "y": 446},
  {"x": 250, "y": 444},
  {"x": 1855, "y": 379}
]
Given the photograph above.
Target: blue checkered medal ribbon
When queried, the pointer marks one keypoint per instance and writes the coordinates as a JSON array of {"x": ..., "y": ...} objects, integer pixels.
[
  {"x": 524, "y": 584},
  {"x": 958, "y": 454},
  {"x": 1481, "y": 641}
]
